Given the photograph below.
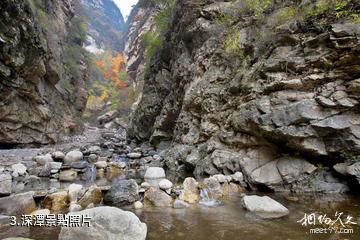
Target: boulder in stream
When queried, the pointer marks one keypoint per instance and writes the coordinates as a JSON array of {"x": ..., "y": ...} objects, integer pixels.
[
  {"x": 264, "y": 207},
  {"x": 158, "y": 197},
  {"x": 18, "y": 204},
  {"x": 73, "y": 156},
  {"x": 191, "y": 193},
  {"x": 107, "y": 223},
  {"x": 122, "y": 193}
]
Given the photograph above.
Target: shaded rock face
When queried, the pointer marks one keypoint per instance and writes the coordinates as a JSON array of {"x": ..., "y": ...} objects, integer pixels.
[
  {"x": 35, "y": 88},
  {"x": 281, "y": 102},
  {"x": 106, "y": 25}
]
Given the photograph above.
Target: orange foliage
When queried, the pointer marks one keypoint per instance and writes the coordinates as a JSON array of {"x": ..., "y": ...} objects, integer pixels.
[{"x": 111, "y": 69}]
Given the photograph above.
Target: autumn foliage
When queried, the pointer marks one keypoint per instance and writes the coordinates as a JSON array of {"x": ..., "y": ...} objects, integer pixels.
[{"x": 112, "y": 68}]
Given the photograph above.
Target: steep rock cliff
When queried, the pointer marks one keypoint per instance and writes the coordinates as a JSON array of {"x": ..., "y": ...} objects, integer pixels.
[
  {"x": 269, "y": 90},
  {"x": 40, "y": 95},
  {"x": 106, "y": 25},
  {"x": 140, "y": 21}
]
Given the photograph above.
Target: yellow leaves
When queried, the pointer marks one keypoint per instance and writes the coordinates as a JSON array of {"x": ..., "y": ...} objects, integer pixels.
[{"x": 111, "y": 67}]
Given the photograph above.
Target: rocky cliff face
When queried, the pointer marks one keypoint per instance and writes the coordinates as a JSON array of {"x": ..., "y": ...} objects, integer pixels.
[
  {"x": 140, "y": 21},
  {"x": 40, "y": 96},
  {"x": 268, "y": 90},
  {"x": 106, "y": 25}
]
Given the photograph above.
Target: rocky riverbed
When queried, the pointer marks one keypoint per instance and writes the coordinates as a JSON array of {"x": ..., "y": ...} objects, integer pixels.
[{"x": 82, "y": 175}]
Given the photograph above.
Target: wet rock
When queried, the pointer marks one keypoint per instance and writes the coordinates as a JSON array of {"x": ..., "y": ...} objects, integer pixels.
[
  {"x": 138, "y": 205},
  {"x": 57, "y": 202},
  {"x": 68, "y": 175},
  {"x": 58, "y": 156},
  {"x": 17, "y": 204},
  {"x": 213, "y": 187},
  {"x": 122, "y": 193},
  {"x": 179, "y": 204},
  {"x": 42, "y": 160},
  {"x": 92, "y": 195},
  {"x": 94, "y": 149},
  {"x": 19, "y": 169},
  {"x": 46, "y": 170},
  {"x": 73, "y": 156},
  {"x": 158, "y": 197},
  {"x": 55, "y": 165},
  {"x": 41, "y": 212},
  {"x": 111, "y": 223},
  {"x": 93, "y": 157},
  {"x": 79, "y": 165},
  {"x": 101, "y": 164},
  {"x": 190, "y": 193},
  {"x": 264, "y": 207},
  {"x": 75, "y": 191},
  {"x": 74, "y": 207},
  {"x": 165, "y": 184},
  {"x": 154, "y": 173},
  {"x": 5, "y": 184},
  {"x": 134, "y": 155}
]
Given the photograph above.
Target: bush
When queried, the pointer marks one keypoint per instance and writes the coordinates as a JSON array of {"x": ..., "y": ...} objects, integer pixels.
[
  {"x": 232, "y": 44},
  {"x": 153, "y": 40}
]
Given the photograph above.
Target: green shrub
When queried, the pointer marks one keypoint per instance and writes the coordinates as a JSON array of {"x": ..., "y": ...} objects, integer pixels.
[
  {"x": 153, "y": 40},
  {"x": 286, "y": 14},
  {"x": 232, "y": 44},
  {"x": 336, "y": 8}
]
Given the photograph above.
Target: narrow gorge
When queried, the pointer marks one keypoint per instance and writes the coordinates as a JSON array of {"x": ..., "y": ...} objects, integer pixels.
[{"x": 179, "y": 119}]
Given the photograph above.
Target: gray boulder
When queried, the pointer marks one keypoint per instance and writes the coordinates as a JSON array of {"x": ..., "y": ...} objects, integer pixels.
[
  {"x": 122, "y": 193},
  {"x": 18, "y": 204},
  {"x": 73, "y": 156},
  {"x": 264, "y": 207},
  {"x": 107, "y": 223}
]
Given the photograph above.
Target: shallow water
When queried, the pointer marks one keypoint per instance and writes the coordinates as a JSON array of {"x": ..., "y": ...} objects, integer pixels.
[{"x": 230, "y": 221}]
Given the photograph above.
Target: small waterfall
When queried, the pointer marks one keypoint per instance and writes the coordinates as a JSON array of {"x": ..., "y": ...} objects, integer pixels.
[
  {"x": 91, "y": 174},
  {"x": 207, "y": 200}
]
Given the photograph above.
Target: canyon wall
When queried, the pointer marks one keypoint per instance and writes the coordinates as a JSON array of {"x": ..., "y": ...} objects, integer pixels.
[
  {"x": 267, "y": 88},
  {"x": 42, "y": 71}
]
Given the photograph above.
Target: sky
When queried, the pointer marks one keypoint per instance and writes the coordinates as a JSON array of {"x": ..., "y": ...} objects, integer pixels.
[{"x": 125, "y": 6}]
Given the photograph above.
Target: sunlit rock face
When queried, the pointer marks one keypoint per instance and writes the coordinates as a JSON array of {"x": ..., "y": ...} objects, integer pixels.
[
  {"x": 39, "y": 98},
  {"x": 106, "y": 25},
  {"x": 274, "y": 98},
  {"x": 140, "y": 21}
]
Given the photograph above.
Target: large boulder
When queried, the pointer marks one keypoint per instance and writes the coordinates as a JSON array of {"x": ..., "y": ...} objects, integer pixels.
[
  {"x": 73, "y": 156},
  {"x": 92, "y": 195},
  {"x": 158, "y": 197},
  {"x": 264, "y": 207},
  {"x": 122, "y": 193},
  {"x": 107, "y": 223},
  {"x": 18, "y": 204},
  {"x": 191, "y": 193},
  {"x": 57, "y": 202}
]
